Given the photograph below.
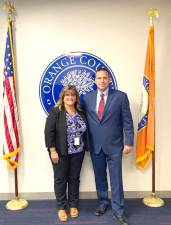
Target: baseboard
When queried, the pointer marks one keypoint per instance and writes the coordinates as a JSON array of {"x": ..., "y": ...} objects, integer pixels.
[{"x": 83, "y": 195}]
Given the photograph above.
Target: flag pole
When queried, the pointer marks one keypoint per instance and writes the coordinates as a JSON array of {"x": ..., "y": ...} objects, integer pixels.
[
  {"x": 153, "y": 200},
  {"x": 17, "y": 203},
  {"x": 16, "y": 182}
]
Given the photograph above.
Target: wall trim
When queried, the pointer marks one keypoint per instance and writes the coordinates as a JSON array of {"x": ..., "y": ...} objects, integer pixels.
[{"x": 83, "y": 195}]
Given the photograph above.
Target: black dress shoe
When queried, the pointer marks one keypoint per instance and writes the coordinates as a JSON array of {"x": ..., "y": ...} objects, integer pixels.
[
  {"x": 100, "y": 210},
  {"x": 122, "y": 220}
]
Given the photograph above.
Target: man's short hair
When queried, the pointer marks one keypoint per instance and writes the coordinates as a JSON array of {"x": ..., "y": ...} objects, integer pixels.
[{"x": 102, "y": 69}]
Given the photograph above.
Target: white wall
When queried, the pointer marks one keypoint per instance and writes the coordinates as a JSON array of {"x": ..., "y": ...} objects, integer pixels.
[{"x": 116, "y": 31}]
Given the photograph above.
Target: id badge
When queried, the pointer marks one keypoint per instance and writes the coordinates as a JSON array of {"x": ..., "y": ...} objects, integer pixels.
[{"x": 77, "y": 141}]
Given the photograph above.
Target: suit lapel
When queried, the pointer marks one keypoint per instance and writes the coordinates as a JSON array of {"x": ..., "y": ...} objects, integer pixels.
[
  {"x": 93, "y": 105},
  {"x": 63, "y": 121},
  {"x": 108, "y": 102}
]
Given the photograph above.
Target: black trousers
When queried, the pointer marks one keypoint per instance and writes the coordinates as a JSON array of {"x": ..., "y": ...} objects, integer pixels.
[{"x": 67, "y": 175}]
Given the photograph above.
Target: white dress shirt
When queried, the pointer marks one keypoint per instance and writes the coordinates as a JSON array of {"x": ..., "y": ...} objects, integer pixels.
[{"x": 99, "y": 98}]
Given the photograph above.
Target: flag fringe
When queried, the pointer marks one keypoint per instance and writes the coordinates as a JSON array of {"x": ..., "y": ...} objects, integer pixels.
[
  {"x": 143, "y": 161},
  {"x": 8, "y": 155},
  {"x": 12, "y": 164}
]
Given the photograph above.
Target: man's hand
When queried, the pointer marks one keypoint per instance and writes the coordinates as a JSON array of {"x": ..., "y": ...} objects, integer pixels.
[{"x": 127, "y": 149}]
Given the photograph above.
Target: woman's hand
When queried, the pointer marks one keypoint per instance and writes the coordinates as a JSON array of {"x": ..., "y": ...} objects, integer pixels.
[{"x": 54, "y": 155}]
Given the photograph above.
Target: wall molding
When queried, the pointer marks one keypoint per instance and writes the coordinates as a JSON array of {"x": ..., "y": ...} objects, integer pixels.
[{"x": 83, "y": 195}]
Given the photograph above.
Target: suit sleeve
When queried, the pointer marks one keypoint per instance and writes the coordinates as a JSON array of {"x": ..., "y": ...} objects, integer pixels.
[
  {"x": 50, "y": 129},
  {"x": 86, "y": 136},
  {"x": 127, "y": 122},
  {"x": 83, "y": 103}
]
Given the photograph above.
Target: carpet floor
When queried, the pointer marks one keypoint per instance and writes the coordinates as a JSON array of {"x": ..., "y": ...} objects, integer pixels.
[{"x": 42, "y": 212}]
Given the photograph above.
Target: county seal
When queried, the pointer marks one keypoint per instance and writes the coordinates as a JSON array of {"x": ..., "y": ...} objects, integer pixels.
[{"x": 75, "y": 68}]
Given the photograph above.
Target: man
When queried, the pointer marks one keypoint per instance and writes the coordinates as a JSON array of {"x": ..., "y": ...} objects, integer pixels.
[{"x": 111, "y": 134}]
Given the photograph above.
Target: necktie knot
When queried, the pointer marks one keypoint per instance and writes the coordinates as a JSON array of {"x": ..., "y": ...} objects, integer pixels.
[{"x": 102, "y": 96}]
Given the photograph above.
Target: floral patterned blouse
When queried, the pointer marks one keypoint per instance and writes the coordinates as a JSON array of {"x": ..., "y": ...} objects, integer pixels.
[{"x": 75, "y": 129}]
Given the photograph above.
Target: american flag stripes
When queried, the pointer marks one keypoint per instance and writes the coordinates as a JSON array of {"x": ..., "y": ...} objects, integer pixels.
[{"x": 11, "y": 120}]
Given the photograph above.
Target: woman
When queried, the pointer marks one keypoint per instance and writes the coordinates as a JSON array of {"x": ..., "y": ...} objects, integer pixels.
[{"x": 65, "y": 138}]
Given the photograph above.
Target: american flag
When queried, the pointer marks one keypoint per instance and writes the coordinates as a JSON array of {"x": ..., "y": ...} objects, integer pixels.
[{"x": 11, "y": 120}]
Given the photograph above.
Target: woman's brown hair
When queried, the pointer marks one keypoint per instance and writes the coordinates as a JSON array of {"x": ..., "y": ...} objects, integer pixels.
[{"x": 72, "y": 89}]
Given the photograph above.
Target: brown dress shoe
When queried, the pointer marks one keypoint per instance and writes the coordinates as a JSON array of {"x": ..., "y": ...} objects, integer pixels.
[
  {"x": 62, "y": 215},
  {"x": 74, "y": 212}
]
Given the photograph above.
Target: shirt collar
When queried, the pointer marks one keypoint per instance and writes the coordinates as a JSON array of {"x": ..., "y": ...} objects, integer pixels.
[{"x": 105, "y": 92}]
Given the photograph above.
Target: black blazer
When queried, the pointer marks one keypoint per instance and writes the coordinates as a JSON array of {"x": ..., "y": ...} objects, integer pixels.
[{"x": 56, "y": 131}]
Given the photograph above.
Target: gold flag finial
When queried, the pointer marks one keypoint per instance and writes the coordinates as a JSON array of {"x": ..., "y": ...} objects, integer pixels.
[
  {"x": 153, "y": 14},
  {"x": 9, "y": 7}
]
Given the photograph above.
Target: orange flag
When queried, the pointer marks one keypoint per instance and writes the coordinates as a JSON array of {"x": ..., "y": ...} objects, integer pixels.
[{"x": 146, "y": 126}]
